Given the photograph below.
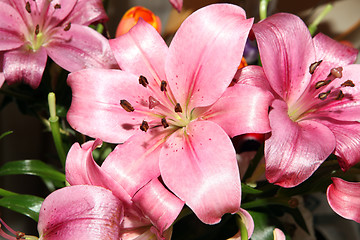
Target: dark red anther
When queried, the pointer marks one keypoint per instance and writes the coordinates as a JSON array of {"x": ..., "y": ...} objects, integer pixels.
[
  {"x": 340, "y": 95},
  {"x": 323, "y": 95},
  {"x": 163, "y": 85},
  {"x": 126, "y": 106},
  {"x": 164, "y": 123},
  {"x": 348, "y": 83},
  {"x": 67, "y": 27},
  {"x": 314, "y": 66},
  {"x": 37, "y": 29},
  {"x": 57, "y": 6},
  {"x": 144, "y": 126},
  {"x": 178, "y": 108},
  {"x": 27, "y": 7},
  {"x": 336, "y": 72},
  {"x": 143, "y": 81}
]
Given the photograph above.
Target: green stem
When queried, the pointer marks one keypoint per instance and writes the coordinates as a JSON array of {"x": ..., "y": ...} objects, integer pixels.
[
  {"x": 243, "y": 230},
  {"x": 284, "y": 201},
  {"x": 315, "y": 23},
  {"x": 254, "y": 163},
  {"x": 263, "y": 8},
  {"x": 55, "y": 128}
]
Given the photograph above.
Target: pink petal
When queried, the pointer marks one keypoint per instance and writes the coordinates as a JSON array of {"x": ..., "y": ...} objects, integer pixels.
[
  {"x": 135, "y": 162},
  {"x": 205, "y": 53},
  {"x": 177, "y": 4},
  {"x": 200, "y": 167},
  {"x": 142, "y": 51},
  {"x": 295, "y": 149},
  {"x": 54, "y": 16},
  {"x": 158, "y": 204},
  {"x": 11, "y": 28},
  {"x": 286, "y": 51},
  {"x": 278, "y": 234},
  {"x": 86, "y": 12},
  {"x": 241, "y": 109},
  {"x": 249, "y": 223},
  {"x": 253, "y": 75},
  {"x": 24, "y": 65},
  {"x": 344, "y": 198},
  {"x": 80, "y": 47},
  {"x": 95, "y": 109},
  {"x": 80, "y": 212},
  {"x": 81, "y": 169},
  {"x": 347, "y": 136},
  {"x": 330, "y": 50},
  {"x": 348, "y": 109}
]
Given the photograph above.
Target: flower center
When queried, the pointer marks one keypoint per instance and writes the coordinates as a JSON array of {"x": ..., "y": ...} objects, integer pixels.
[
  {"x": 319, "y": 94},
  {"x": 162, "y": 108}
]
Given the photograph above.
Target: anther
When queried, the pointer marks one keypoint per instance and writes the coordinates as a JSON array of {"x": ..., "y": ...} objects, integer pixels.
[
  {"x": 348, "y": 83},
  {"x": 153, "y": 102},
  {"x": 336, "y": 72},
  {"x": 144, "y": 126},
  {"x": 163, "y": 85},
  {"x": 178, "y": 108},
  {"x": 323, "y": 95},
  {"x": 27, "y": 7},
  {"x": 143, "y": 81},
  {"x": 67, "y": 27},
  {"x": 20, "y": 235},
  {"x": 340, "y": 95},
  {"x": 322, "y": 83},
  {"x": 126, "y": 106},
  {"x": 37, "y": 29},
  {"x": 313, "y": 66},
  {"x": 57, "y": 6},
  {"x": 164, "y": 123}
]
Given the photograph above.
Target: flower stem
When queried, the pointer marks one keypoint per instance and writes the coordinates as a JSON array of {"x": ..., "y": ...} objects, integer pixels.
[
  {"x": 243, "y": 230},
  {"x": 313, "y": 26},
  {"x": 55, "y": 128},
  {"x": 263, "y": 8},
  {"x": 254, "y": 163}
]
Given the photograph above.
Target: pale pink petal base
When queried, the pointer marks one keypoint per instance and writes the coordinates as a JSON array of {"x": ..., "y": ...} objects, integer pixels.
[
  {"x": 295, "y": 149},
  {"x": 344, "y": 198},
  {"x": 278, "y": 234},
  {"x": 200, "y": 167},
  {"x": 80, "y": 212},
  {"x": 24, "y": 65}
]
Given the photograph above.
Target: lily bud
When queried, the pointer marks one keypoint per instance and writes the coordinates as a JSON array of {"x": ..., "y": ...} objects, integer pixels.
[{"x": 131, "y": 17}]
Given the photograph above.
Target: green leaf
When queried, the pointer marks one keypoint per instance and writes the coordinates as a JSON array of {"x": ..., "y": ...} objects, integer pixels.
[
  {"x": 32, "y": 167},
  {"x": 28, "y": 205},
  {"x": 247, "y": 189},
  {"x": 262, "y": 230},
  {"x": 5, "y": 134}
]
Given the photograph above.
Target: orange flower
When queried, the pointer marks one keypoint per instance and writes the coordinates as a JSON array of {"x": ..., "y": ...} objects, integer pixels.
[{"x": 131, "y": 17}]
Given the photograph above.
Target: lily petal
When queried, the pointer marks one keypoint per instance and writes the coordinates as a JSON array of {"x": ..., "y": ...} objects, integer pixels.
[
  {"x": 177, "y": 4},
  {"x": 190, "y": 167},
  {"x": 95, "y": 108},
  {"x": 141, "y": 51},
  {"x": 54, "y": 15},
  {"x": 86, "y": 12},
  {"x": 327, "y": 49},
  {"x": 303, "y": 147},
  {"x": 253, "y": 75},
  {"x": 202, "y": 60},
  {"x": 80, "y": 47},
  {"x": 286, "y": 50},
  {"x": 80, "y": 212},
  {"x": 81, "y": 169},
  {"x": 158, "y": 204},
  {"x": 347, "y": 136},
  {"x": 278, "y": 234},
  {"x": 241, "y": 103},
  {"x": 11, "y": 26},
  {"x": 344, "y": 198},
  {"x": 135, "y": 162},
  {"x": 24, "y": 65}
]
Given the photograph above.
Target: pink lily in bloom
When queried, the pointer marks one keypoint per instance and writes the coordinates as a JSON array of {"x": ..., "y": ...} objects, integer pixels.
[
  {"x": 344, "y": 198},
  {"x": 174, "y": 107},
  {"x": 81, "y": 212},
  {"x": 317, "y": 105},
  {"x": 177, "y": 4},
  {"x": 34, "y": 29},
  {"x": 149, "y": 210}
]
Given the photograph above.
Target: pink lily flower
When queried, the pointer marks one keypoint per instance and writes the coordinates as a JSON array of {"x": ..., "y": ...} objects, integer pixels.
[
  {"x": 149, "y": 211},
  {"x": 34, "y": 29},
  {"x": 317, "y": 103},
  {"x": 344, "y": 198},
  {"x": 81, "y": 212},
  {"x": 177, "y": 4},
  {"x": 174, "y": 107}
]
